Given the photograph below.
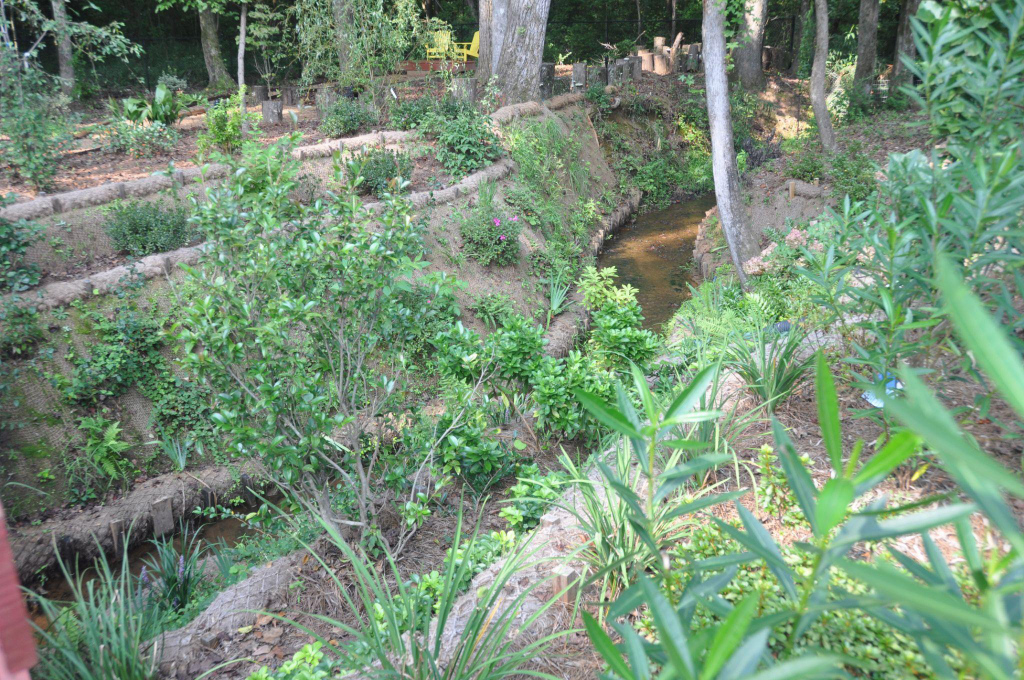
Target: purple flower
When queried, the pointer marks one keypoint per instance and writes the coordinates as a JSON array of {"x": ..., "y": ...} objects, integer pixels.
[
  {"x": 144, "y": 576},
  {"x": 497, "y": 222},
  {"x": 501, "y": 238},
  {"x": 181, "y": 566}
]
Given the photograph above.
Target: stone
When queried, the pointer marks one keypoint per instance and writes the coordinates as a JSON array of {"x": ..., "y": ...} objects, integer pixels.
[
  {"x": 209, "y": 639},
  {"x": 597, "y": 75},
  {"x": 163, "y": 517},
  {"x": 260, "y": 93},
  {"x": 636, "y": 65},
  {"x": 693, "y": 58}
]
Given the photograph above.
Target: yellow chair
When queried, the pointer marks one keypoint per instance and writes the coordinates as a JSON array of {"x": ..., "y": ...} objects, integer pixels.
[
  {"x": 464, "y": 51},
  {"x": 441, "y": 45}
]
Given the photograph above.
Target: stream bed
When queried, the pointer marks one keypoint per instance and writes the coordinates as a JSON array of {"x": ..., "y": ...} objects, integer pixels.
[{"x": 654, "y": 254}]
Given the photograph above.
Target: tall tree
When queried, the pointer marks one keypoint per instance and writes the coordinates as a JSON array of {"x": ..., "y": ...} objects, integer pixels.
[
  {"x": 62, "y": 36},
  {"x": 798, "y": 36},
  {"x": 818, "y": 103},
  {"x": 742, "y": 244},
  {"x": 512, "y": 53},
  {"x": 216, "y": 70},
  {"x": 904, "y": 43},
  {"x": 747, "y": 56},
  {"x": 341, "y": 11},
  {"x": 867, "y": 45}
]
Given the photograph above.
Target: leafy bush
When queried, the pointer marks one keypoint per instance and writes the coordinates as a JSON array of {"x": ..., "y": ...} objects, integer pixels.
[
  {"x": 224, "y": 125},
  {"x": 173, "y": 575},
  {"x": 19, "y": 329},
  {"x": 853, "y": 173},
  {"x": 428, "y": 307},
  {"x": 164, "y": 108},
  {"x": 459, "y": 353},
  {"x": 469, "y": 447},
  {"x": 467, "y": 143},
  {"x": 309, "y": 663},
  {"x": 770, "y": 364},
  {"x": 494, "y": 309},
  {"x": 616, "y": 333},
  {"x": 141, "y": 141},
  {"x": 381, "y": 168},
  {"x": 15, "y": 239},
  {"x": 489, "y": 234},
  {"x": 141, "y": 228},
  {"x": 345, "y": 117},
  {"x": 531, "y": 495},
  {"x": 807, "y": 166},
  {"x": 103, "y": 444},
  {"x": 555, "y": 382},
  {"x": 34, "y": 127},
  {"x": 409, "y": 114},
  {"x": 517, "y": 348}
]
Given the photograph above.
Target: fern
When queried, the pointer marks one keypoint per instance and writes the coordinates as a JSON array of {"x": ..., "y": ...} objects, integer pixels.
[{"x": 104, "y": 446}]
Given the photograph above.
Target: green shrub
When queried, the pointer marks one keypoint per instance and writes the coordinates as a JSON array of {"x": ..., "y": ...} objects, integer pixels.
[
  {"x": 165, "y": 108},
  {"x": 467, "y": 143},
  {"x": 531, "y": 495},
  {"x": 19, "y": 329},
  {"x": 489, "y": 235},
  {"x": 35, "y": 126},
  {"x": 554, "y": 382},
  {"x": 428, "y": 307},
  {"x": 469, "y": 447},
  {"x": 345, "y": 117},
  {"x": 807, "y": 166},
  {"x": 517, "y": 348},
  {"x": 141, "y": 141},
  {"x": 15, "y": 239},
  {"x": 853, "y": 173},
  {"x": 224, "y": 125},
  {"x": 141, "y": 228},
  {"x": 410, "y": 113},
  {"x": 494, "y": 309},
  {"x": 616, "y": 334},
  {"x": 459, "y": 353},
  {"x": 382, "y": 167}
]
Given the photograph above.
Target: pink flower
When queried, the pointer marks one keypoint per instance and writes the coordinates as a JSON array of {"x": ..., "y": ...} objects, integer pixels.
[
  {"x": 501, "y": 238},
  {"x": 796, "y": 238},
  {"x": 515, "y": 218},
  {"x": 497, "y": 222}
]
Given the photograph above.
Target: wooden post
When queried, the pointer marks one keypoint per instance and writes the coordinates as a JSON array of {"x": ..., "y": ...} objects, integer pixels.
[
  {"x": 659, "y": 42},
  {"x": 163, "y": 517},
  {"x": 272, "y": 111},
  {"x": 289, "y": 95},
  {"x": 662, "y": 65},
  {"x": 646, "y": 60},
  {"x": 547, "y": 80},
  {"x": 579, "y": 78}
]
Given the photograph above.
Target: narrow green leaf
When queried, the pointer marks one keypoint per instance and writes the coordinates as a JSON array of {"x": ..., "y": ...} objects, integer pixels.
[
  {"x": 605, "y": 647},
  {"x": 670, "y": 631},
  {"x": 901, "y": 447},
  {"x": 691, "y": 395},
  {"x": 728, "y": 637},
  {"x": 646, "y": 398},
  {"x": 833, "y": 502},
  {"x": 900, "y": 588},
  {"x": 808, "y": 666},
  {"x": 983, "y": 336},
  {"x": 828, "y": 413},
  {"x": 799, "y": 479},
  {"x": 605, "y": 415}
]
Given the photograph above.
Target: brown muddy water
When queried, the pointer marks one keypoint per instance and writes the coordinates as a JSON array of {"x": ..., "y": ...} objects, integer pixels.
[{"x": 654, "y": 254}]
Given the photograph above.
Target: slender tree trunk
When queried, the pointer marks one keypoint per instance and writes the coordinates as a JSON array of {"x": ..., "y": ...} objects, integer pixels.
[
  {"x": 904, "y": 44},
  {"x": 867, "y": 45},
  {"x": 484, "y": 61},
  {"x": 825, "y": 131},
  {"x": 341, "y": 12},
  {"x": 673, "y": 17},
  {"x": 216, "y": 69},
  {"x": 517, "y": 46},
  {"x": 63, "y": 39},
  {"x": 241, "y": 63},
  {"x": 639, "y": 20},
  {"x": 742, "y": 244},
  {"x": 747, "y": 56},
  {"x": 798, "y": 38}
]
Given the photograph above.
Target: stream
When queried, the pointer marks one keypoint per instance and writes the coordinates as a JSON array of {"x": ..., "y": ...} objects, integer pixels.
[{"x": 654, "y": 254}]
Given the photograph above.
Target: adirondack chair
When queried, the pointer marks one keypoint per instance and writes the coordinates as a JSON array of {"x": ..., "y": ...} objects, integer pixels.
[
  {"x": 441, "y": 45},
  {"x": 464, "y": 51}
]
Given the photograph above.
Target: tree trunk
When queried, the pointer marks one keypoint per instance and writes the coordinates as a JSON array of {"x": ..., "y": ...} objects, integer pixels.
[
  {"x": 747, "y": 55},
  {"x": 639, "y": 20},
  {"x": 484, "y": 61},
  {"x": 517, "y": 36},
  {"x": 241, "y": 63},
  {"x": 216, "y": 69},
  {"x": 798, "y": 37},
  {"x": 673, "y": 31},
  {"x": 867, "y": 45},
  {"x": 825, "y": 131},
  {"x": 63, "y": 40},
  {"x": 342, "y": 15},
  {"x": 472, "y": 9},
  {"x": 904, "y": 44},
  {"x": 742, "y": 244}
]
